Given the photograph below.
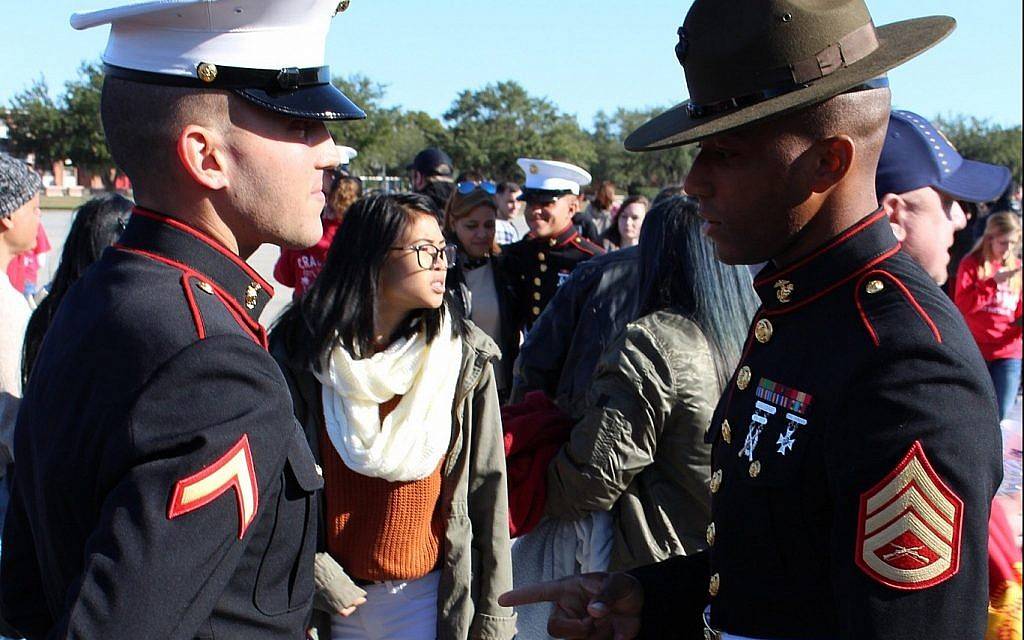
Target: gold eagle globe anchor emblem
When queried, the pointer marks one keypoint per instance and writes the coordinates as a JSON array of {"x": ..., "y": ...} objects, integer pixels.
[{"x": 783, "y": 290}]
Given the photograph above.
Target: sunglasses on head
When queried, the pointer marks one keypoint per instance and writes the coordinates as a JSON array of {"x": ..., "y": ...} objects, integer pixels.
[{"x": 466, "y": 188}]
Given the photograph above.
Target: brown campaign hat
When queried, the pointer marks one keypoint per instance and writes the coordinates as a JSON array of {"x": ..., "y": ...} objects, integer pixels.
[{"x": 748, "y": 60}]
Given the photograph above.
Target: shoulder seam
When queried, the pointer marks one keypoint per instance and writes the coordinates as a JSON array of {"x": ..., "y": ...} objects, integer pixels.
[{"x": 902, "y": 288}]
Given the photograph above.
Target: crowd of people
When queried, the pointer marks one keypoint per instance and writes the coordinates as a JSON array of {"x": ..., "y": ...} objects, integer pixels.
[{"x": 737, "y": 408}]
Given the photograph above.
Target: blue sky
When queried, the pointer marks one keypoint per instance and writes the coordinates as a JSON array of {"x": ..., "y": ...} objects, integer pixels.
[{"x": 582, "y": 55}]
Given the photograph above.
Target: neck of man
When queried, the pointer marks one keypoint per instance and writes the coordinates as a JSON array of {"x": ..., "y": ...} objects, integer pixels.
[
  {"x": 200, "y": 214},
  {"x": 826, "y": 216}
]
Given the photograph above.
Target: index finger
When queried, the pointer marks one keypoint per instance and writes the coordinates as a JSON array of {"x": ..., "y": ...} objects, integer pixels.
[{"x": 531, "y": 593}]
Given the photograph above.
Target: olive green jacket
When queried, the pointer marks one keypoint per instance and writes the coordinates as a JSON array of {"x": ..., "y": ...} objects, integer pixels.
[
  {"x": 476, "y": 563},
  {"x": 638, "y": 448}
]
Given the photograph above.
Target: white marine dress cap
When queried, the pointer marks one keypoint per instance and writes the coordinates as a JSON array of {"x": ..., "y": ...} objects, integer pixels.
[
  {"x": 346, "y": 154},
  {"x": 551, "y": 179},
  {"x": 270, "y": 52}
]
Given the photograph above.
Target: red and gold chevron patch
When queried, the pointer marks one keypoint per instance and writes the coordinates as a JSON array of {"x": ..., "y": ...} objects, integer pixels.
[{"x": 909, "y": 526}]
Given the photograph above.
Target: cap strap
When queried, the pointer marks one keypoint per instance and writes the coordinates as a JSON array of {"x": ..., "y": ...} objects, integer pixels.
[{"x": 210, "y": 76}]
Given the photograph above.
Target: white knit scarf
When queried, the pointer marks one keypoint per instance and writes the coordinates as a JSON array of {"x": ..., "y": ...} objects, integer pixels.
[{"x": 416, "y": 434}]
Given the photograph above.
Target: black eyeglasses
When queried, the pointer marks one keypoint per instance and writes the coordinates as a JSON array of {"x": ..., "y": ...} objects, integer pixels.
[
  {"x": 430, "y": 254},
  {"x": 466, "y": 188}
]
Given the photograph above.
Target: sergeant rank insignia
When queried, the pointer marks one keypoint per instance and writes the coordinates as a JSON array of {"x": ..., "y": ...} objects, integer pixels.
[{"x": 909, "y": 524}]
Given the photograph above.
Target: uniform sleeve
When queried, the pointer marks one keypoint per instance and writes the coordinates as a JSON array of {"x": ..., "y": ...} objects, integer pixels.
[
  {"x": 488, "y": 514},
  {"x": 675, "y": 595},
  {"x": 636, "y": 388},
  {"x": 913, "y": 456},
  {"x": 217, "y": 412},
  {"x": 543, "y": 353}
]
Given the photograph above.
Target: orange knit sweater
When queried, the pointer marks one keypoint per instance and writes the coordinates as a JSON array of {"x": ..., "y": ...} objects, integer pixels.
[{"x": 380, "y": 530}]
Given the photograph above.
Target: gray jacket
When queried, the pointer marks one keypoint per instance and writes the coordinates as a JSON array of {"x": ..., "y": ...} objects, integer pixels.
[
  {"x": 476, "y": 565},
  {"x": 638, "y": 450}
]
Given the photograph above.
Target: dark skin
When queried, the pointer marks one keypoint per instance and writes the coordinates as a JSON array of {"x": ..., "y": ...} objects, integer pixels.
[{"x": 770, "y": 191}]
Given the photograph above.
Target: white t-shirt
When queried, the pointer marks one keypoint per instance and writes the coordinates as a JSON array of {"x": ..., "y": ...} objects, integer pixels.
[
  {"x": 484, "y": 310},
  {"x": 14, "y": 315}
]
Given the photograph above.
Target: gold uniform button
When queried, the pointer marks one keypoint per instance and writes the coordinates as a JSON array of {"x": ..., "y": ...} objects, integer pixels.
[
  {"x": 536, "y": 295},
  {"x": 541, "y": 257},
  {"x": 743, "y": 378},
  {"x": 543, "y": 268},
  {"x": 755, "y": 469},
  {"x": 536, "y": 282},
  {"x": 726, "y": 432},
  {"x": 552, "y": 242},
  {"x": 874, "y": 286},
  {"x": 716, "y": 481},
  {"x": 713, "y": 586},
  {"x": 205, "y": 287},
  {"x": 206, "y": 71},
  {"x": 251, "y": 293},
  {"x": 536, "y": 311},
  {"x": 763, "y": 330},
  {"x": 711, "y": 534}
]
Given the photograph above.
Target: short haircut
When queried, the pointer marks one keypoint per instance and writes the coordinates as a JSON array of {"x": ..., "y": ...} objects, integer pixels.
[
  {"x": 508, "y": 187},
  {"x": 862, "y": 115},
  {"x": 142, "y": 122}
]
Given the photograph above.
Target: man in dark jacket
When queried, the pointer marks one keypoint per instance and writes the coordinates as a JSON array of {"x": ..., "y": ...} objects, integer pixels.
[
  {"x": 856, "y": 449},
  {"x": 163, "y": 488}
]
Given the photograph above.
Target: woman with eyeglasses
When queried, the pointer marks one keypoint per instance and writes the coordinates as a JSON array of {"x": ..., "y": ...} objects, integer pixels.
[
  {"x": 97, "y": 224},
  {"x": 397, "y": 396},
  {"x": 298, "y": 268},
  {"x": 478, "y": 282}
]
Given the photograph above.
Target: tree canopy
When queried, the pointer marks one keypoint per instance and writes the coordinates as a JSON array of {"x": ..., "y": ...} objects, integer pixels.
[{"x": 484, "y": 129}]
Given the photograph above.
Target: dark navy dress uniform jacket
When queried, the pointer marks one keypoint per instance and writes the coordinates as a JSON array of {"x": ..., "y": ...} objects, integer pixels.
[
  {"x": 856, "y": 452},
  {"x": 162, "y": 487}
]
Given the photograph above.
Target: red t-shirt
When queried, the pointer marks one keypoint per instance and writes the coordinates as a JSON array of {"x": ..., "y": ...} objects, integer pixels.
[
  {"x": 992, "y": 310},
  {"x": 298, "y": 268},
  {"x": 24, "y": 268}
]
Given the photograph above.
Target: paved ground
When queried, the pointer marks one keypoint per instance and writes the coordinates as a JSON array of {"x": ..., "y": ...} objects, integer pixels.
[{"x": 58, "y": 222}]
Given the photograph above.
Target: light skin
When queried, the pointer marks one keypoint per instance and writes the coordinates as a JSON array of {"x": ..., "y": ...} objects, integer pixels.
[
  {"x": 924, "y": 220},
  {"x": 548, "y": 219},
  {"x": 771, "y": 191},
  {"x": 475, "y": 231},
  {"x": 630, "y": 220},
  {"x": 507, "y": 204},
  {"x": 247, "y": 176},
  {"x": 18, "y": 231},
  {"x": 405, "y": 286},
  {"x": 1000, "y": 247}
]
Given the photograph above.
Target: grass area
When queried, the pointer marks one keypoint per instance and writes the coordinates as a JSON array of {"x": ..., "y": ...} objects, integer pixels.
[{"x": 60, "y": 202}]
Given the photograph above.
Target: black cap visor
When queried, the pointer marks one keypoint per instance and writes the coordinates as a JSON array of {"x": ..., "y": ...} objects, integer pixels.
[
  {"x": 543, "y": 195},
  {"x": 311, "y": 102}
]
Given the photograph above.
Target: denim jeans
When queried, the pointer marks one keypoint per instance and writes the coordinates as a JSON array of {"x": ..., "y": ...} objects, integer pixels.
[{"x": 1005, "y": 374}]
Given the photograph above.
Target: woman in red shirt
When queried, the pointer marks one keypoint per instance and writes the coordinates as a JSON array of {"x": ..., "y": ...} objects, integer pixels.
[
  {"x": 988, "y": 293},
  {"x": 298, "y": 268}
]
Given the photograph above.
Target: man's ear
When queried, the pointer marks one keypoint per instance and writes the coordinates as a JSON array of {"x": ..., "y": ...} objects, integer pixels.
[
  {"x": 835, "y": 157},
  {"x": 201, "y": 154},
  {"x": 895, "y": 207},
  {"x": 6, "y": 223}
]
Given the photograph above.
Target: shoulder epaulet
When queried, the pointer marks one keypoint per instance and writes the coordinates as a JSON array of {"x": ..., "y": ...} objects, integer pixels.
[
  {"x": 586, "y": 246},
  {"x": 879, "y": 287}
]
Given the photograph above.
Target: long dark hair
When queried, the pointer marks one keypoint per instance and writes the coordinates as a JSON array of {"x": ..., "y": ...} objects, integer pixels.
[
  {"x": 339, "y": 307},
  {"x": 98, "y": 223},
  {"x": 679, "y": 271}
]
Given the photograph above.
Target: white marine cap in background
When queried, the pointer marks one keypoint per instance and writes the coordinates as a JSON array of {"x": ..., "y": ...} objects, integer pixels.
[{"x": 551, "y": 178}]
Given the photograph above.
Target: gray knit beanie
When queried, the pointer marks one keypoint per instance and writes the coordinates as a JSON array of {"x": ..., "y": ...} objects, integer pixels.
[{"x": 18, "y": 184}]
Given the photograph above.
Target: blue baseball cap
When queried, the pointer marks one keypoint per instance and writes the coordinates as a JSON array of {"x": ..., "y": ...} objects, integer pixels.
[{"x": 916, "y": 155}]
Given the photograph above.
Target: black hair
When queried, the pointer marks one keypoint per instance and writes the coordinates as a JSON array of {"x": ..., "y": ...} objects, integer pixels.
[
  {"x": 679, "y": 271},
  {"x": 508, "y": 187},
  {"x": 98, "y": 223},
  {"x": 338, "y": 309}
]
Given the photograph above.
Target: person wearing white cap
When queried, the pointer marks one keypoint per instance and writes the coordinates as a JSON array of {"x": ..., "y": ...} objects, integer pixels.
[
  {"x": 169, "y": 492},
  {"x": 539, "y": 263}
]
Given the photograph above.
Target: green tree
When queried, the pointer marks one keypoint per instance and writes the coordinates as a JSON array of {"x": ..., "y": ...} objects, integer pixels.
[
  {"x": 488, "y": 129},
  {"x": 80, "y": 106},
  {"x": 981, "y": 140},
  {"x": 35, "y": 125},
  {"x": 652, "y": 169}
]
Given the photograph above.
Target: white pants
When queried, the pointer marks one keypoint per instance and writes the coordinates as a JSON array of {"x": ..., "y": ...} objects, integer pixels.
[{"x": 394, "y": 610}]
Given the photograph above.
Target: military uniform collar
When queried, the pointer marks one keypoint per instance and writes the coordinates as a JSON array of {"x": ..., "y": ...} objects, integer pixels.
[
  {"x": 784, "y": 289},
  {"x": 561, "y": 240},
  {"x": 155, "y": 233}
]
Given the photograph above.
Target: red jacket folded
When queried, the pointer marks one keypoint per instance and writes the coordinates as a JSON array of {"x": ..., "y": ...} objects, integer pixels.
[{"x": 535, "y": 429}]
